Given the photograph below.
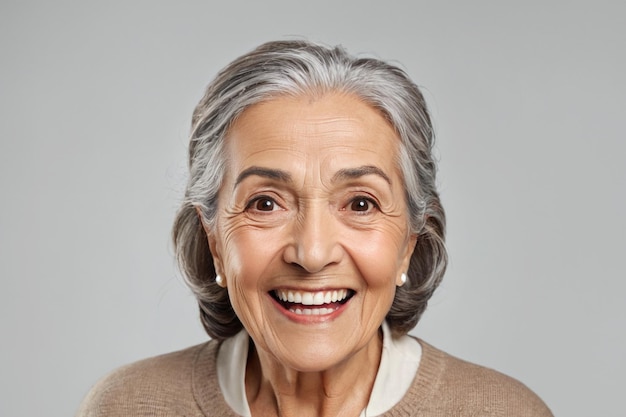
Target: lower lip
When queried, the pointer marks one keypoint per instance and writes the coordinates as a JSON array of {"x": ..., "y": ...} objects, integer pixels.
[{"x": 310, "y": 319}]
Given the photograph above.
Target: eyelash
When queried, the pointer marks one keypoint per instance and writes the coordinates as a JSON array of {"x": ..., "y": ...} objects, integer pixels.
[
  {"x": 374, "y": 205},
  {"x": 256, "y": 200}
]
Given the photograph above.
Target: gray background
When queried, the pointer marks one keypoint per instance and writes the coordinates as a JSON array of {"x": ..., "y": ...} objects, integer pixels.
[{"x": 529, "y": 102}]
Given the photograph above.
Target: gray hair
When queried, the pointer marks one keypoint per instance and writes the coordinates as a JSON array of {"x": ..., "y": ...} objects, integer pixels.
[{"x": 302, "y": 68}]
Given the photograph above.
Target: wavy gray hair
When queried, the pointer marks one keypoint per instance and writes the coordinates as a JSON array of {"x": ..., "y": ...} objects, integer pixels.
[{"x": 303, "y": 68}]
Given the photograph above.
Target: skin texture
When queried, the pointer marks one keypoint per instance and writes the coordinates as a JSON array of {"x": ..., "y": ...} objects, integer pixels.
[{"x": 312, "y": 200}]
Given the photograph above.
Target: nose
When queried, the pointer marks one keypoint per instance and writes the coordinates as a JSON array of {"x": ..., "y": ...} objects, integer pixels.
[{"x": 314, "y": 241}]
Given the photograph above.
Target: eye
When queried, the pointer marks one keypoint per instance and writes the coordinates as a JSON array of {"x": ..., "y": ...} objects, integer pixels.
[
  {"x": 265, "y": 204},
  {"x": 362, "y": 205}
]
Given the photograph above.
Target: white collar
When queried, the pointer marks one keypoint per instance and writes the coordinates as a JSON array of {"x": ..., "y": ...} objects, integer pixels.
[{"x": 399, "y": 362}]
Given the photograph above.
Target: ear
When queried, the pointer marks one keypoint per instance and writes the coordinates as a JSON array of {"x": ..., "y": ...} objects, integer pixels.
[
  {"x": 213, "y": 247},
  {"x": 406, "y": 260}
]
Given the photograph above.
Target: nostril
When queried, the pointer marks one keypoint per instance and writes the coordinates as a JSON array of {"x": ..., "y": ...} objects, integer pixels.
[
  {"x": 314, "y": 260},
  {"x": 314, "y": 244}
]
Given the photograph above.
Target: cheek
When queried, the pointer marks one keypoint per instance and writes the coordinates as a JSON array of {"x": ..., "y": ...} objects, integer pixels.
[
  {"x": 249, "y": 255},
  {"x": 379, "y": 254},
  {"x": 241, "y": 270},
  {"x": 238, "y": 248}
]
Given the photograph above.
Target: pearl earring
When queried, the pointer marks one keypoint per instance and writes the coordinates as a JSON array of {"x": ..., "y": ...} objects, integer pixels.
[
  {"x": 403, "y": 278},
  {"x": 219, "y": 280}
]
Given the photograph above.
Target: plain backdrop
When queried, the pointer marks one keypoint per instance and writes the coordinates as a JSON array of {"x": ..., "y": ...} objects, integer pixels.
[{"x": 529, "y": 105}]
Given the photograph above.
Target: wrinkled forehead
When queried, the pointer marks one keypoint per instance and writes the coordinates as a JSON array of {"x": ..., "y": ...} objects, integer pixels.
[{"x": 333, "y": 129}]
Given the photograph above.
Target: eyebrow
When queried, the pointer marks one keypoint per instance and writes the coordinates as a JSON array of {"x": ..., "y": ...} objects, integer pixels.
[
  {"x": 283, "y": 176},
  {"x": 354, "y": 173},
  {"x": 274, "y": 174}
]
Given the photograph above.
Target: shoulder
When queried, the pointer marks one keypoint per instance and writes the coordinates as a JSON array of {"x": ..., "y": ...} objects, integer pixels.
[
  {"x": 450, "y": 386},
  {"x": 158, "y": 386}
]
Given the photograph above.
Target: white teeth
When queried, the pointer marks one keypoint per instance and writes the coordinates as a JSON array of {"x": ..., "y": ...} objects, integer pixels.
[
  {"x": 312, "y": 311},
  {"x": 307, "y": 299},
  {"x": 318, "y": 298},
  {"x": 311, "y": 298}
]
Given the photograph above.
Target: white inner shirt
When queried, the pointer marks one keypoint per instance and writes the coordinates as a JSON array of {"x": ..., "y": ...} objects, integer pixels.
[{"x": 399, "y": 361}]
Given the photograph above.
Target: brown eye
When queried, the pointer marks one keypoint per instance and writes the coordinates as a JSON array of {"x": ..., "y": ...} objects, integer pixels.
[
  {"x": 361, "y": 204},
  {"x": 264, "y": 204}
]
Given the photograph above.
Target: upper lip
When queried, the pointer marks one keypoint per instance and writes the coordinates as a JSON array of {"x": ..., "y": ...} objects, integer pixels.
[{"x": 312, "y": 297}]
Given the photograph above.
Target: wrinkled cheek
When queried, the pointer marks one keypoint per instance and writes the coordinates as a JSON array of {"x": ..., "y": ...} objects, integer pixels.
[
  {"x": 246, "y": 303},
  {"x": 244, "y": 283},
  {"x": 230, "y": 251}
]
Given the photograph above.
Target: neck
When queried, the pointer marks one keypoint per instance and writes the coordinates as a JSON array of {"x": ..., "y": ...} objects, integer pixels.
[{"x": 343, "y": 389}]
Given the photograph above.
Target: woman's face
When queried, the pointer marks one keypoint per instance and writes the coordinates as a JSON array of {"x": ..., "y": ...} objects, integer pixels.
[{"x": 311, "y": 236}]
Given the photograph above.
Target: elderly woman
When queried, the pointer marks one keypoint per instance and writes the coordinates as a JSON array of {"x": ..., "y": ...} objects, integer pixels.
[{"x": 312, "y": 235}]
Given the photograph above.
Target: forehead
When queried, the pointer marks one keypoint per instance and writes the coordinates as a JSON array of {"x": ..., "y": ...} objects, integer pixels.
[{"x": 333, "y": 126}]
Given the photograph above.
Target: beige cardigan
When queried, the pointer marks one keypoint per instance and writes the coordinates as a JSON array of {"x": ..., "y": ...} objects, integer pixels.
[{"x": 184, "y": 383}]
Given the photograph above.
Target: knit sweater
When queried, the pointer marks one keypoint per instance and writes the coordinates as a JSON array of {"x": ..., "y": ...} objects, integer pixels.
[{"x": 184, "y": 383}]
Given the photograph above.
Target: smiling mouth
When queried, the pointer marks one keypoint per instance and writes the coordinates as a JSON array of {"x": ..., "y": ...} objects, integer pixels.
[{"x": 312, "y": 303}]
